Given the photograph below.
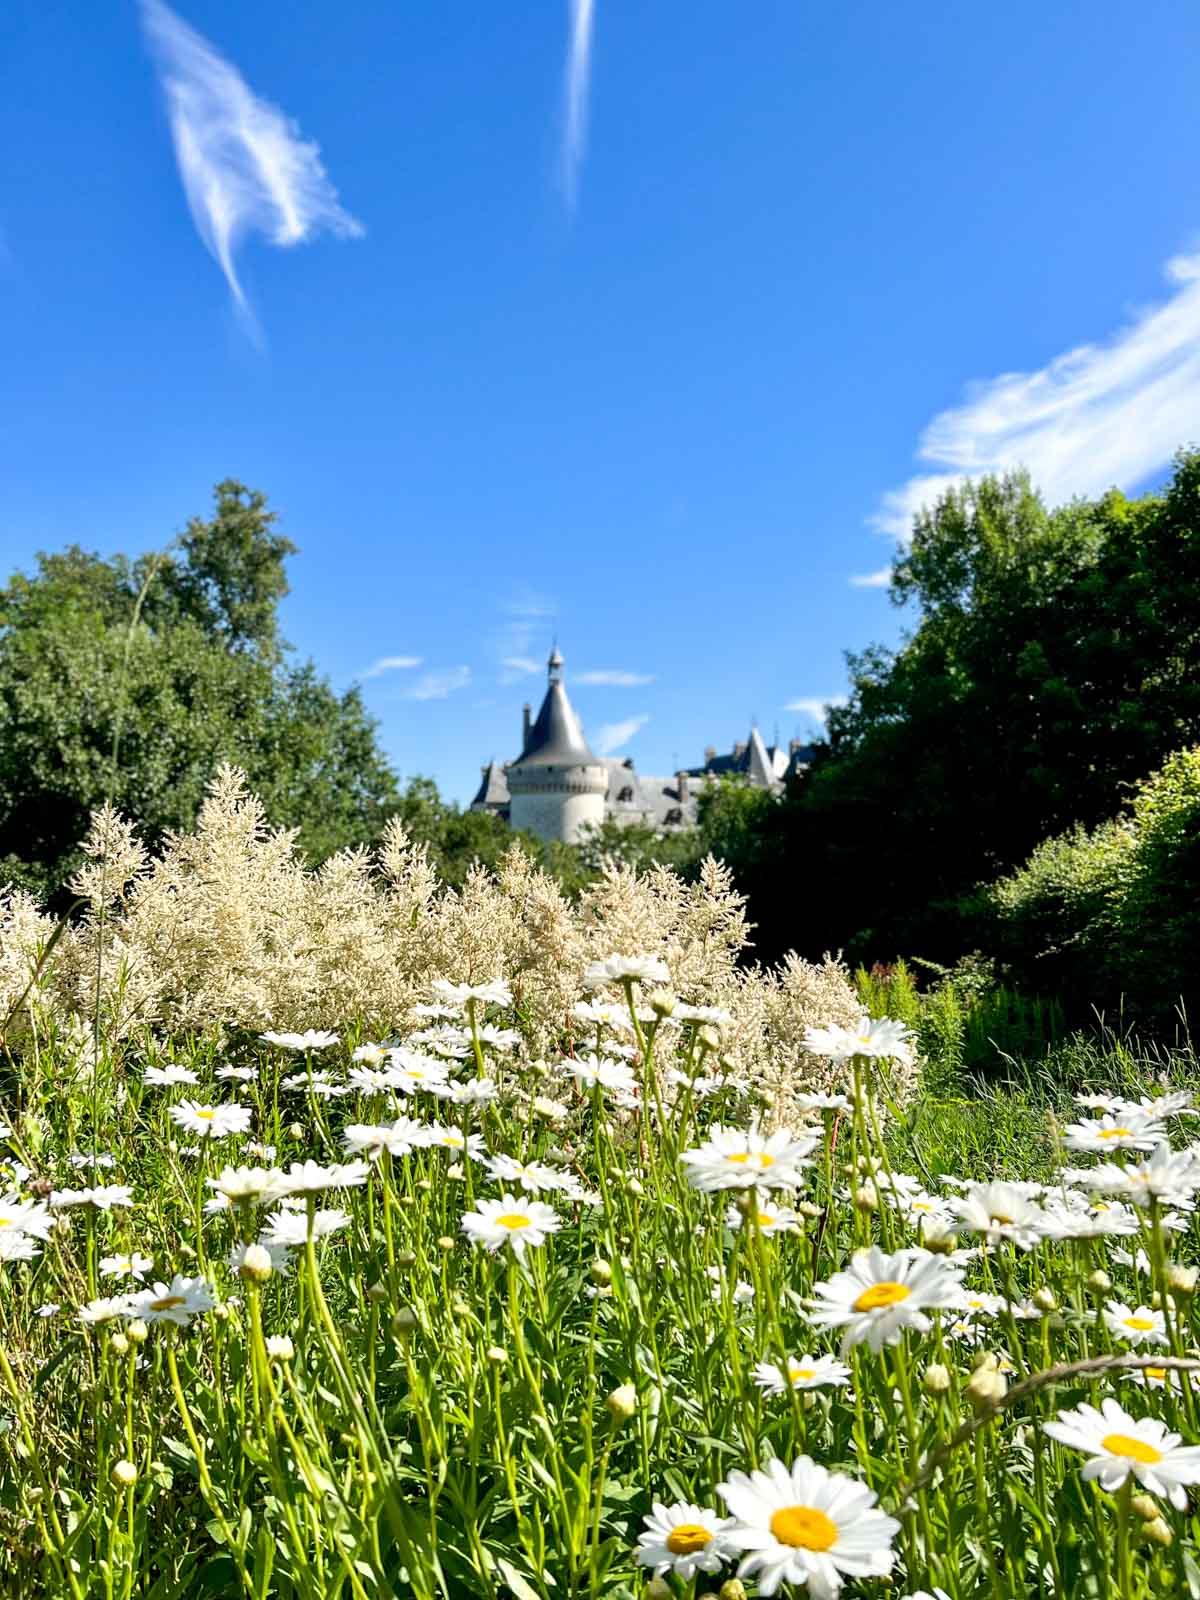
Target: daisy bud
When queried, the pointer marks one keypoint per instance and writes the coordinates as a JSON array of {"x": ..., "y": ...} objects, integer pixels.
[
  {"x": 985, "y": 1389},
  {"x": 732, "y": 1589},
  {"x": 123, "y": 1474},
  {"x": 377, "y": 1292},
  {"x": 404, "y": 1320},
  {"x": 1157, "y": 1532},
  {"x": 455, "y": 1170},
  {"x": 658, "y": 1589},
  {"x": 256, "y": 1264},
  {"x": 1043, "y": 1299},
  {"x": 119, "y": 1344},
  {"x": 295, "y": 1130},
  {"x": 406, "y": 1258},
  {"x": 622, "y": 1403},
  {"x": 633, "y": 1187},
  {"x": 936, "y": 1379},
  {"x": 747, "y": 1202},
  {"x": 709, "y": 1038},
  {"x": 661, "y": 1002},
  {"x": 1143, "y": 1506},
  {"x": 1099, "y": 1282},
  {"x": 600, "y": 1271},
  {"x": 807, "y": 1209},
  {"x": 938, "y": 1239},
  {"x": 865, "y": 1198},
  {"x": 496, "y": 1355},
  {"x": 280, "y": 1347},
  {"x": 137, "y": 1332},
  {"x": 424, "y": 1185},
  {"x": 1182, "y": 1280},
  {"x": 445, "y": 1242},
  {"x": 460, "y": 1307},
  {"x": 1156, "y": 1301}
]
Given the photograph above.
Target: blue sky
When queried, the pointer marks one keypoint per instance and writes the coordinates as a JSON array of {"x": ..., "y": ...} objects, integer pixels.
[{"x": 645, "y": 326}]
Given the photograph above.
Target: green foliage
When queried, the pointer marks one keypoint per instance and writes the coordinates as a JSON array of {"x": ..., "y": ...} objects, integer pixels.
[
  {"x": 194, "y": 676},
  {"x": 1054, "y": 660},
  {"x": 1112, "y": 915}
]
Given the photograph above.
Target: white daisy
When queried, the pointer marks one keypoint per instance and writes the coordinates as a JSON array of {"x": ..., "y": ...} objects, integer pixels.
[
  {"x": 999, "y": 1212},
  {"x": 880, "y": 1037},
  {"x": 399, "y": 1138},
  {"x": 106, "y": 1310},
  {"x": 314, "y": 1039},
  {"x": 803, "y": 1372},
  {"x": 496, "y": 992},
  {"x": 104, "y": 1196},
  {"x": 1155, "y": 1377},
  {"x": 1140, "y": 1326},
  {"x": 737, "y": 1158},
  {"x": 410, "y": 1072},
  {"x": 281, "y": 1260},
  {"x": 533, "y": 1176},
  {"x": 683, "y": 1539},
  {"x": 370, "y": 1080},
  {"x": 1113, "y": 1132},
  {"x": 618, "y": 969},
  {"x": 309, "y": 1177},
  {"x": 249, "y": 1185},
  {"x": 27, "y": 1217},
  {"x": 179, "y": 1301},
  {"x": 807, "y": 1526},
  {"x": 770, "y": 1218},
  {"x": 238, "y": 1074},
  {"x": 444, "y": 1138},
  {"x": 130, "y": 1266},
  {"x": 878, "y": 1296},
  {"x": 821, "y": 1102},
  {"x": 172, "y": 1073},
  {"x": 211, "y": 1122},
  {"x": 370, "y": 1055},
  {"x": 16, "y": 1246},
  {"x": 1118, "y": 1444},
  {"x": 590, "y": 1070},
  {"x": 1166, "y": 1177},
  {"x": 474, "y": 1092},
  {"x": 499, "y": 1038},
  {"x": 291, "y": 1227},
  {"x": 510, "y": 1220}
]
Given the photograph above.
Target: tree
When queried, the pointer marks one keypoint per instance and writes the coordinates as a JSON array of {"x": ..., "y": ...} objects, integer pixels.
[
  {"x": 1055, "y": 660},
  {"x": 172, "y": 664}
]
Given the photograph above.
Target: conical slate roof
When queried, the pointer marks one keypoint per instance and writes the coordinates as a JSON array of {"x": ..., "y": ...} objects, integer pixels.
[{"x": 556, "y": 738}]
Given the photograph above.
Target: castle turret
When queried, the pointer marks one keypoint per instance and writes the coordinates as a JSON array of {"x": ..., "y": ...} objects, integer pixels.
[{"x": 558, "y": 786}]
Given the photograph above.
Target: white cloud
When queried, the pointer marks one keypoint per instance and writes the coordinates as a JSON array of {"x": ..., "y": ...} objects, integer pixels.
[
  {"x": 1099, "y": 415},
  {"x": 815, "y": 706},
  {"x": 615, "y": 678},
  {"x": 579, "y": 66},
  {"x": 390, "y": 664},
  {"x": 244, "y": 165},
  {"x": 520, "y": 666},
  {"x": 613, "y": 735},
  {"x": 872, "y": 580},
  {"x": 437, "y": 685}
]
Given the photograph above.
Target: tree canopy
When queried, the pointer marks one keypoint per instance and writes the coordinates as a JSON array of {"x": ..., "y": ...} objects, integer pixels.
[
  {"x": 1054, "y": 661},
  {"x": 173, "y": 664}
]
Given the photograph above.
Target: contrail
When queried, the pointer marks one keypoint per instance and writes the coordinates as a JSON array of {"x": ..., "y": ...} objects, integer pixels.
[
  {"x": 244, "y": 165},
  {"x": 579, "y": 61}
]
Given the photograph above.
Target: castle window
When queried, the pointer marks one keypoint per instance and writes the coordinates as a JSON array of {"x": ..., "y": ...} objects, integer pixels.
[
  {"x": 673, "y": 817},
  {"x": 626, "y": 793}
]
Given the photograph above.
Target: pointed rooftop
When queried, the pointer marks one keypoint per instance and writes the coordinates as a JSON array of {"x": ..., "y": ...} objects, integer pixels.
[{"x": 556, "y": 737}]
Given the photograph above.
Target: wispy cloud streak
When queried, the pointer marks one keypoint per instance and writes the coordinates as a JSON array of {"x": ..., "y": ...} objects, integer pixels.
[
  {"x": 244, "y": 165},
  {"x": 615, "y": 679},
  {"x": 1099, "y": 415},
  {"x": 581, "y": 14},
  {"x": 879, "y": 579},
  {"x": 610, "y": 738},
  {"x": 439, "y": 685},
  {"x": 390, "y": 664},
  {"x": 814, "y": 706}
]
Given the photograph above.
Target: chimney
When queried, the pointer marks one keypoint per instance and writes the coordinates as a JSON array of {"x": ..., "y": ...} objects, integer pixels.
[
  {"x": 710, "y": 754},
  {"x": 526, "y": 723},
  {"x": 681, "y": 783},
  {"x": 739, "y": 750},
  {"x": 794, "y": 745}
]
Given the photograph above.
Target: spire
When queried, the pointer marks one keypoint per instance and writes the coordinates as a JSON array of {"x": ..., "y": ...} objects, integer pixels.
[{"x": 556, "y": 737}]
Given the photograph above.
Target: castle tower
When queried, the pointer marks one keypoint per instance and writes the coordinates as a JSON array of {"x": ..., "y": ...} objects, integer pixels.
[{"x": 557, "y": 785}]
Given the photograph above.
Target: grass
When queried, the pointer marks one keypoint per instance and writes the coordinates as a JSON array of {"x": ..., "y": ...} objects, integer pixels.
[{"x": 447, "y": 1421}]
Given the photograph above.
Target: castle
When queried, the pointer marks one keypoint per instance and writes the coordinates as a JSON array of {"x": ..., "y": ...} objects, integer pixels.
[{"x": 557, "y": 787}]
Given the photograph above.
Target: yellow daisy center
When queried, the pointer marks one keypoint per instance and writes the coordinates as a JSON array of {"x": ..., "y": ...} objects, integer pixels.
[
  {"x": 6, "y": 1222},
  {"x": 1132, "y": 1448},
  {"x": 878, "y": 1296},
  {"x": 687, "y": 1538},
  {"x": 1123, "y": 1444},
  {"x": 755, "y": 1158},
  {"x": 765, "y": 1219},
  {"x": 803, "y": 1374},
  {"x": 205, "y": 1113},
  {"x": 1001, "y": 1217},
  {"x": 804, "y": 1528},
  {"x": 1116, "y": 1133},
  {"x": 168, "y": 1302},
  {"x": 1141, "y": 1324},
  {"x": 512, "y": 1220},
  {"x": 1159, "y": 1374}
]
